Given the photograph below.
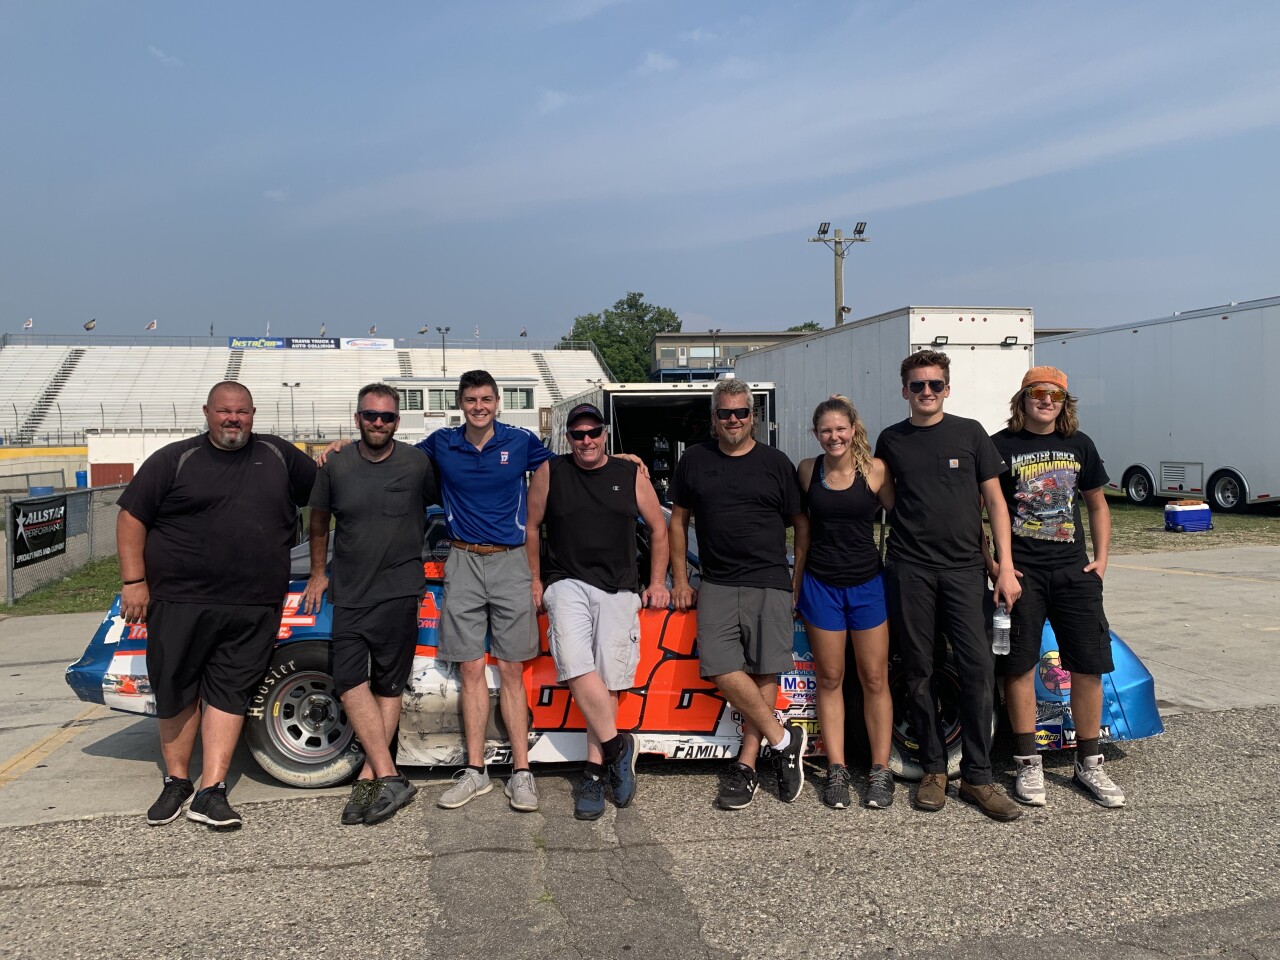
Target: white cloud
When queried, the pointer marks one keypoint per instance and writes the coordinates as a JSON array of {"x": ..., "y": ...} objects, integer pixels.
[
  {"x": 550, "y": 101},
  {"x": 655, "y": 62},
  {"x": 277, "y": 195},
  {"x": 162, "y": 57}
]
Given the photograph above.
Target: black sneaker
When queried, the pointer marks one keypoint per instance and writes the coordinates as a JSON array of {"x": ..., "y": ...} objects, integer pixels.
[
  {"x": 173, "y": 798},
  {"x": 788, "y": 763},
  {"x": 392, "y": 794},
  {"x": 836, "y": 793},
  {"x": 739, "y": 786},
  {"x": 880, "y": 788},
  {"x": 362, "y": 794},
  {"x": 589, "y": 804},
  {"x": 622, "y": 773},
  {"x": 210, "y": 807}
]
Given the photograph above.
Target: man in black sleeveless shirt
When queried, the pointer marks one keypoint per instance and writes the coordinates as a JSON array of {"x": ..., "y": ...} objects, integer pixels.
[{"x": 589, "y": 587}]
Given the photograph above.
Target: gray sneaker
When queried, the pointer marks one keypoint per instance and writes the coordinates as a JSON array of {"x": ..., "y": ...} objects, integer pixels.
[
  {"x": 1091, "y": 776},
  {"x": 522, "y": 791},
  {"x": 467, "y": 785},
  {"x": 880, "y": 788},
  {"x": 1029, "y": 786}
]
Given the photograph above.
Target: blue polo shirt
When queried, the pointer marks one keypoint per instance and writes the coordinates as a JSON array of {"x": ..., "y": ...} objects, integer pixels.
[{"x": 484, "y": 490}]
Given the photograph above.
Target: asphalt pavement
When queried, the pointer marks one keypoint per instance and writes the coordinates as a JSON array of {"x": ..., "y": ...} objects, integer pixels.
[{"x": 1189, "y": 868}]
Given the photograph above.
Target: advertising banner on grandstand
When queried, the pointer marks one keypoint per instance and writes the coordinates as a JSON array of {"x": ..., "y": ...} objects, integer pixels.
[
  {"x": 367, "y": 343},
  {"x": 311, "y": 343},
  {"x": 38, "y": 530},
  {"x": 256, "y": 343}
]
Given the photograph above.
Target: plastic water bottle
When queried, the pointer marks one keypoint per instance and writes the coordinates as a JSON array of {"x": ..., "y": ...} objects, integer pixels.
[{"x": 1000, "y": 626}]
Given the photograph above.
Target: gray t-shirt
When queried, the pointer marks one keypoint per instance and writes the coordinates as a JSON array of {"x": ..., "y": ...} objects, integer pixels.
[{"x": 380, "y": 510}]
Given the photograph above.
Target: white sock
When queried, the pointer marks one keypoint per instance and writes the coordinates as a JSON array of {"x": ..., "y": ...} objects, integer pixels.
[{"x": 784, "y": 742}]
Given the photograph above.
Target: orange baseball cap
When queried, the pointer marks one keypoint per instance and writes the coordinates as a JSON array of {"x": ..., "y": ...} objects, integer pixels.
[{"x": 1045, "y": 375}]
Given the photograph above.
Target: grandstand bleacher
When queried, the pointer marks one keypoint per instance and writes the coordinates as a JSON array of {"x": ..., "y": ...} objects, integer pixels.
[{"x": 59, "y": 388}]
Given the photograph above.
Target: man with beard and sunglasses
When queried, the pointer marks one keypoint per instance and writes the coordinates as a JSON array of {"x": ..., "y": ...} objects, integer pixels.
[
  {"x": 377, "y": 490},
  {"x": 203, "y": 537},
  {"x": 945, "y": 468},
  {"x": 742, "y": 495}
]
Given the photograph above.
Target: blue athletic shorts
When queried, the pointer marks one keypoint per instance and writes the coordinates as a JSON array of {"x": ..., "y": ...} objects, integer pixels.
[{"x": 843, "y": 608}]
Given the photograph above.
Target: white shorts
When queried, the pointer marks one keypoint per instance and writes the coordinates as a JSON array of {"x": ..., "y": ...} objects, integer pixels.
[{"x": 591, "y": 629}]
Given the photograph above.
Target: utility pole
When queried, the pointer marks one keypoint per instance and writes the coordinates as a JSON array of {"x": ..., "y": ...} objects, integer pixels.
[
  {"x": 715, "y": 353},
  {"x": 840, "y": 244}
]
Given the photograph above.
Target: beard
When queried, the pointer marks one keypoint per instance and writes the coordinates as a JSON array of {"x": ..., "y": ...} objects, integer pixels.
[
  {"x": 372, "y": 440},
  {"x": 223, "y": 440}
]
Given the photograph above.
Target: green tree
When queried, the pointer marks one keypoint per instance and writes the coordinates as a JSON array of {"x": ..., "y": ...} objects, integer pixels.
[
  {"x": 622, "y": 334},
  {"x": 809, "y": 326}
]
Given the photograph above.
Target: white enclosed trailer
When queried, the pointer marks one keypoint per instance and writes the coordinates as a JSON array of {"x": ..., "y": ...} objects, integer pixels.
[
  {"x": 990, "y": 350},
  {"x": 656, "y": 421},
  {"x": 1181, "y": 406}
]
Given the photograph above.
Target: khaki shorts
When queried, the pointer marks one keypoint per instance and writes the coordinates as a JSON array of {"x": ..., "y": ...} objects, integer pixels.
[
  {"x": 488, "y": 595},
  {"x": 592, "y": 629}
]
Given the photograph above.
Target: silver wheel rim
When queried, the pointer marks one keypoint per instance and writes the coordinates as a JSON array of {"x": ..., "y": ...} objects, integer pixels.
[
  {"x": 1139, "y": 489},
  {"x": 1227, "y": 492},
  {"x": 305, "y": 719}
]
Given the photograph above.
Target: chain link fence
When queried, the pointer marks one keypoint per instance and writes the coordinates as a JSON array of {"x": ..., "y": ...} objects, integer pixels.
[{"x": 90, "y": 533}]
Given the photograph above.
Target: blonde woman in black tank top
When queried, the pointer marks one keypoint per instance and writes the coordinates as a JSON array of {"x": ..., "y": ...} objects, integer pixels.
[{"x": 841, "y": 592}]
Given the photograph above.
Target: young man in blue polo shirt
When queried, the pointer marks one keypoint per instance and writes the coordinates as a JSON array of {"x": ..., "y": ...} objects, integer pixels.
[{"x": 487, "y": 584}]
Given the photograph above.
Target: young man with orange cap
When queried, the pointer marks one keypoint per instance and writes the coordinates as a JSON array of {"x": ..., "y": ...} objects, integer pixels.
[{"x": 1052, "y": 467}]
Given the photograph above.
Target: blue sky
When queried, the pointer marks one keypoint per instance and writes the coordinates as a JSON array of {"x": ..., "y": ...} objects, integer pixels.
[{"x": 508, "y": 164}]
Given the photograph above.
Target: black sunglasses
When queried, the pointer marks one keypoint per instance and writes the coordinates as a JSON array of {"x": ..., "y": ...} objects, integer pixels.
[
  {"x": 724, "y": 413},
  {"x": 581, "y": 435},
  {"x": 376, "y": 416},
  {"x": 917, "y": 386}
]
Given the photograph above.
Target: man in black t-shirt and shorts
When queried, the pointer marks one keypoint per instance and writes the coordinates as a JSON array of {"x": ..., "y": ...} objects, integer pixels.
[
  {"x": 379, "y": 491},
  {"x": 1052, "y": 467},
  {"x": 742, "y": 495},
  {"x": 590, "y": 589},
  {"x": 945, "y": 469},
  {"x": 203, "y": 536}
]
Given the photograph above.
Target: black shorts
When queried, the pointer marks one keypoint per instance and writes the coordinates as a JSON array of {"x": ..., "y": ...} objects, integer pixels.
[
  {"x": 374, "y": 645},
  {"x": 217, "y": 653},
  {"x": 1071, "y": 600}
]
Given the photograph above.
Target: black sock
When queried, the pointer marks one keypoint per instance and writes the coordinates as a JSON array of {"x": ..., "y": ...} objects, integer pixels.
[
  {"x": 515, "y": 770},
  {"x": 1088, "y": 748},
  {"x": 479, "y": 770},
  {"x": 593, "y": 770},
  {"x": 1024, "y": 744},
  {"x": 612, "y": 749}
]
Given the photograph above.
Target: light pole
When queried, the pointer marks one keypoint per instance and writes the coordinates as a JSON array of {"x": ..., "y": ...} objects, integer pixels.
[
  {"x": 444, "y": 370},
  {"x": 840, "y": 244},
  {"x": 715, "y": 352},
  {"x": 293, "y": 421}
]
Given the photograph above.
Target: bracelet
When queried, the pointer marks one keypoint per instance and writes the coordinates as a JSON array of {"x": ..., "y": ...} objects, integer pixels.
[{"x": 130, "y": 583}]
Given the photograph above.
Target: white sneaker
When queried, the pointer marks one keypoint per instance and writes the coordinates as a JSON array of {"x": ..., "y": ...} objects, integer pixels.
[
  {"x": 467, "y": 785},
  {"x": 1091, "y": 776},
  {"x": 1029, "y": 787}
]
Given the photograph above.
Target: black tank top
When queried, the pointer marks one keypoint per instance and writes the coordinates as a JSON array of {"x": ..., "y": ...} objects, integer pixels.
[
  {"x": 842, "y": 547},
  {"x": 591, "y": 525}
]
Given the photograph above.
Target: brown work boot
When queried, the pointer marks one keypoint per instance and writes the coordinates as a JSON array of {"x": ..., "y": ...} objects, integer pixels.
[
  {"x": 991, "y": 800},
  {"x": 931, "y": 795}
]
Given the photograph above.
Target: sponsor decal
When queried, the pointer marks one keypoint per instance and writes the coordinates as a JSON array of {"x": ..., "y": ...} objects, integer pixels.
[
  {"x": 701, "y": 751},
  {"x": 290, "y": 617},
  {"x": 367, "y": 343},
  {"x": 258, "y": 704},
  {"x": 799, "y": 687},
  {"x": 38, "y": 530},
  {"x": 504, "y": 457},
  {"x": 311, "y": 343},
  {"x": 1047, "y": 738},
  {"x": 256, "y": 343}
]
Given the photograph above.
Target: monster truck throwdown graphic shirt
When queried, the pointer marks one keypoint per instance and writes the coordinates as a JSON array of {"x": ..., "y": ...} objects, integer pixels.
[{"x": 1042, "y": 490}]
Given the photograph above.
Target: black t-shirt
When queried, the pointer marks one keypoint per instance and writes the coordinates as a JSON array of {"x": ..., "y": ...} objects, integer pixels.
[
  {"x": 1042, "y": 487},
  {"x": 937, "y": 472},
  {"x": 220, "y": 522},
  {"x": 381, "y": 509},
  {"x": 741, "y": 506},
  {"x": 591, "y": 525}
]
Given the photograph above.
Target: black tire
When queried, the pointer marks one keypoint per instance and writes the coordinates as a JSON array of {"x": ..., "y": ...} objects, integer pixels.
[
  {"x": 1139, "y": 487},
  {"x": 295, "y": 727},
  {"x": 1227, "y": 492},
  {"x": 904, "y": 758}
]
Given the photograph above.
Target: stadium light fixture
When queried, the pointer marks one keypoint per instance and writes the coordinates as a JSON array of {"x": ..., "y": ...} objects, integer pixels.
[
  {"x": 824, "y": 228},
  {"x": 293, "y": 420}
]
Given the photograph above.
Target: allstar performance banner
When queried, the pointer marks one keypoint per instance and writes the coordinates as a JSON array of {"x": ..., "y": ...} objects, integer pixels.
[{"x": 38, "y": 530}]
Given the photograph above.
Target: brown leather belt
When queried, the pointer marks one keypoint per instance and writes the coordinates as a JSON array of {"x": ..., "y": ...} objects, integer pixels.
[{"x": 482, "y": 549}]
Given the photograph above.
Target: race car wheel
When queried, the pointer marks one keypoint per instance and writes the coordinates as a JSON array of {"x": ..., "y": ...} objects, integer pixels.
[
  {"x": 904, "y": 755},
  {"x": 296, "y": 727}
]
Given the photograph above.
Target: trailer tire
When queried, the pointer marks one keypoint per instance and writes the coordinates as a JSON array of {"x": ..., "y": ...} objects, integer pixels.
[
  {"x": 1139, "y": 487},
  {"x": 296, "y": 727},
  {"x": 1226, "y": 492}
]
